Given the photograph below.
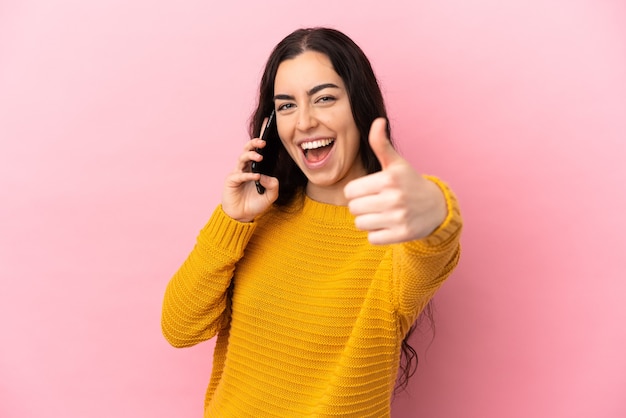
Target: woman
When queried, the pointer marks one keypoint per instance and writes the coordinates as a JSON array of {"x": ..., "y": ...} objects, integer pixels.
[{"x": 312, "y": 286}]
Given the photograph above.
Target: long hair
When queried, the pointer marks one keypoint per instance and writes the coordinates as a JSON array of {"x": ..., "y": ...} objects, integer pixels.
[
  {"x": 366, "y": 102},
  {"x": 408, "y": 365}
]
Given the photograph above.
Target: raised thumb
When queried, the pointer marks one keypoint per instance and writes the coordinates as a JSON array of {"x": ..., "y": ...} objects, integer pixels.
[{"x": 381, "y": 145}]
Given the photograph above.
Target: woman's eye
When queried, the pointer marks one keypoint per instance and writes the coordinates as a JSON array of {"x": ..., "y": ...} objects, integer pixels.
[
  {"x": 325, "y": 99},
  {"x": 284, "y": 106}
]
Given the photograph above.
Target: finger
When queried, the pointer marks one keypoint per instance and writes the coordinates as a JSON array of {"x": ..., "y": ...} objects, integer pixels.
[
  {"x": 381, "y": 145},
  {"x": 367, "y": 185},
  {"x": 237, "y": 178},
  {"x": 370, "y": 222},
  {"x": 384, "y": 237},
  {"x": 270, "y": 183},
  {"x": 379, "y": 232},
  {"x": 368, "y": 204},
  {"x": 250, "y": 154},
  {"x": 254, "y": 144},
  {"x": 246, "y": 158}
]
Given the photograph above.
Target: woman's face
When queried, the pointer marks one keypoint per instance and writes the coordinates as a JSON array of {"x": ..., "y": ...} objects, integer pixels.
[{"x": 316, "y": 126}]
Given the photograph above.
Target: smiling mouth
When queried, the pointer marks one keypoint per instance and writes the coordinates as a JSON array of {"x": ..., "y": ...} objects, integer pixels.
[{"x": 317, "y": 150}]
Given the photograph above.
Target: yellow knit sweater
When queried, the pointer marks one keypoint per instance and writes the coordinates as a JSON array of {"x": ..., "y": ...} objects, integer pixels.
[{"x": 314, "y": 319}]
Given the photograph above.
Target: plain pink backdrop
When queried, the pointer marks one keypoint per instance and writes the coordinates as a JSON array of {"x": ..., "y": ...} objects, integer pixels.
[{"x": 119, "y": 121}]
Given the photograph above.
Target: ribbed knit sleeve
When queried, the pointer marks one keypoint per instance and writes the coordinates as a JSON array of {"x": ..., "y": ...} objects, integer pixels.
[
  {"x": 420, "y": 267},
  {"x": 195, "y": 306}
]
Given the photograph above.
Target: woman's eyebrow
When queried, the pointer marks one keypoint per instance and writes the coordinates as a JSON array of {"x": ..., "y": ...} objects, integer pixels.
[
  {"x": 309, "y": 93},
  {"x": 321, "y": 87}
]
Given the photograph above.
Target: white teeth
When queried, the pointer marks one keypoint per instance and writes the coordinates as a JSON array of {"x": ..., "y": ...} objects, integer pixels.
[{"x": 316, "y": 144}]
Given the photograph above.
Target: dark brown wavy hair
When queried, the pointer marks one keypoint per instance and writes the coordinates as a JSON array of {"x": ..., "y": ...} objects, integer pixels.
[
  {"x": 353, "y": 67},
  {"x": 366, "y": 101}
]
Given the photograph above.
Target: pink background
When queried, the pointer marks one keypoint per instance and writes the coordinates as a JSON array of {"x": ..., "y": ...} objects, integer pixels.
[{"x": 119, "y": 121}]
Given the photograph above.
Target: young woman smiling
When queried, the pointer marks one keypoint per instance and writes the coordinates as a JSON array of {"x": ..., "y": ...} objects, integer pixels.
[{"x": 313, "y": 286}]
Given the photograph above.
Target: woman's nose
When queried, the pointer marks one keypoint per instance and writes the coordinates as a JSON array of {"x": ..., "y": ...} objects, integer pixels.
[{"x": 306, "y": 119}]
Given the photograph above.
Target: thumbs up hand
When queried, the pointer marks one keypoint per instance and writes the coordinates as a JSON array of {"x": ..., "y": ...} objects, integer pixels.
[{"x": 396, "y": 204}]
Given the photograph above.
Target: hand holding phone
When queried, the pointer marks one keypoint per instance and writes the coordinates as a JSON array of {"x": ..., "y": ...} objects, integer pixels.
[{"x": 269, "y": 152}]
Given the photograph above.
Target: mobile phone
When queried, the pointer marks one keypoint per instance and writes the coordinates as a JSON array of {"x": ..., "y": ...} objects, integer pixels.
[{"x": 269, "y": 152}]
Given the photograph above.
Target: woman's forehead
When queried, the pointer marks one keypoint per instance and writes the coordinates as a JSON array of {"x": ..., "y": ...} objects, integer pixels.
[{"x": 305, "y": 71}]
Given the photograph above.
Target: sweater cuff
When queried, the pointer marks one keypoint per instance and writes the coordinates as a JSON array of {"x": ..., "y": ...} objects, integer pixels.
[
  {"x": 225, "y": 233},
  {"x": 451, "y": 226}
]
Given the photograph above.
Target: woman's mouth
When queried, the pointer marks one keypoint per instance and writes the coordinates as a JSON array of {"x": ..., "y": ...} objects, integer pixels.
[{"x": 316, "y": 151}]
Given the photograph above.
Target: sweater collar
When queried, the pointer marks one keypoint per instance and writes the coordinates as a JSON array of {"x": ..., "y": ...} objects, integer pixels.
[{"x": 325, "y": 211}]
